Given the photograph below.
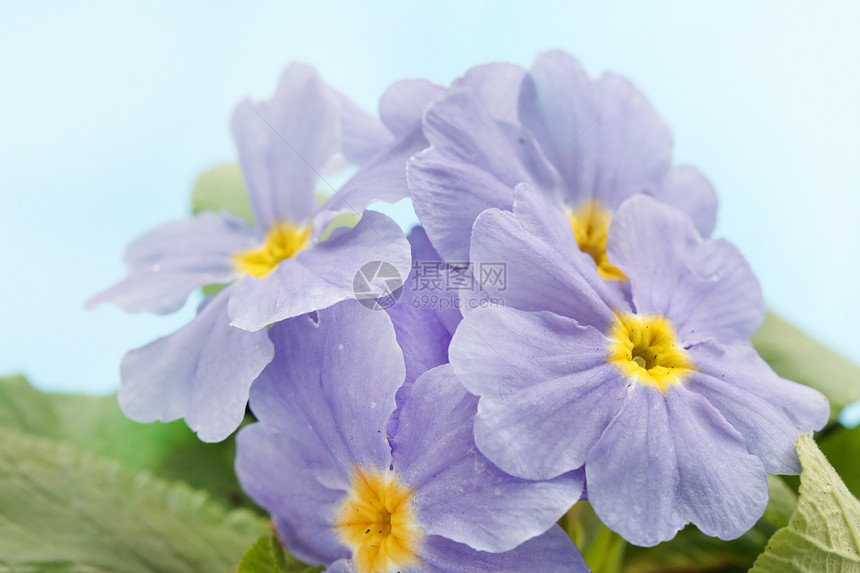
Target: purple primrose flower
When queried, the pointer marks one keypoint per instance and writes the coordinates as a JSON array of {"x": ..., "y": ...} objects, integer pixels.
[
  {"x": 584, "y": 145},
  {"x": 345, "y": 495},
  {"x": 656, "y": 391},
  {"x": 278, "y": 269}
]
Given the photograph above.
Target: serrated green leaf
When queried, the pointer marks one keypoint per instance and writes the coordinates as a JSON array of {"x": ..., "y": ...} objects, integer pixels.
[
  {"x": 842, "y": 448},
  {"x": 64, "y": 510},
  {"x": 795, "y": 356},
  {"x": 95, "y": 424},
  {"x": 822, "y": 535},
  {"x": 222, "y": 188},
  {"x": 267, "y": 556},
  {"x": 24, "y": 408}
]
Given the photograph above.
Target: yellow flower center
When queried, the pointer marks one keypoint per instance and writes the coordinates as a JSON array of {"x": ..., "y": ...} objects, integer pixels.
[
  {"x": 590, "y": 223},
  {"x": 283, "y": 241},
  {"x": 377, "y": 522},
  {"x": 646, "y": 349}
]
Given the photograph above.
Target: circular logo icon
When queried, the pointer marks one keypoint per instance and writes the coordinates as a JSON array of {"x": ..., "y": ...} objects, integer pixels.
[{"x": 377, "y": 285}]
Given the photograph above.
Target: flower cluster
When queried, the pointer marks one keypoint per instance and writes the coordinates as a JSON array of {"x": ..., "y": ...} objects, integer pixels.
[{"x": 584, "y": 327}]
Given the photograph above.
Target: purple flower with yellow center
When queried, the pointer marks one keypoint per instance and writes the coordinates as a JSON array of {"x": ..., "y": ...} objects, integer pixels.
[
  {"x": 660, "y": 395},
  {"x": 345, "y": 495},
  {"x": 278, "y": 269},
  {"x": 583, "y": 145}
]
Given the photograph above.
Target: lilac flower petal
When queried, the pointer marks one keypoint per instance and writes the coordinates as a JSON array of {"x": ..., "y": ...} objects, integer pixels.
[
  {"x": 723, "y": 487},
  {"x": 552, "y": 552},
  {"x": 422, "y": 336},
  {"x": 331, "y": 388},
  {"x": 634, "y": 144},
  {"x": 382, "y": 178},
  {"x": 202, "y": 372},
  {"x": 720, "y": 295},
  {"x": 283, "y": 142},
  {"x": 425, "y": 261},
  {"x": 542, "y": 215},
  {"x": 363, "y": 136},
  {"x": 769, "y": 411},
  {"x": 706, "y": 287},
  {"x": 170, "y": 262},
  {"x": 557, "y": 105},
  {"x": 540, "y": 276},
  {"x": 669, "y": 460},
  {"x": 498, "y": 85},
  {"x": 424, "y": 326},
  {"x": 424, "y": 329},
  {"x": 341, "y": 566},
  {"x": 320, "y": 276},
  {"x": 269, "y": 466},
  {"x": 448, "y": 195},
  {"x": 424, "y": 340},
  {"x": 403, "y": 104},
  {"x": 546, "y": 390},
  {"x": 462, "y": 126},
  {"x": 474, "y": 164},
  {"x": 459, "y": 494},
  {"x": 685, "y": 188}
]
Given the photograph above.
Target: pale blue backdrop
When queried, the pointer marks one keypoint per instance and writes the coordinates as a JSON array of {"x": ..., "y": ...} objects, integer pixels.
[{"x": 109, "y": 111}]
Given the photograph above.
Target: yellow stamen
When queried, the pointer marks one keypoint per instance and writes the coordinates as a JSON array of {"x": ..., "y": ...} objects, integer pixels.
[
  {"x": 283, "y": 241},
  {"x": 646, "y": 349},
  {"x": 377, "y": 522},
  {"x": 590, "y": 223}
]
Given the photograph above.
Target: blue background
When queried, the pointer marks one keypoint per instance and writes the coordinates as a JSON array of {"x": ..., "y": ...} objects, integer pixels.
[{"x": 109, "y": 112}]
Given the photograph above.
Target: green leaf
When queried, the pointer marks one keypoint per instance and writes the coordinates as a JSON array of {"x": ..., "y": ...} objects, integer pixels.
[
  {"x": 823, "y": 532},
  {"x": 64, "y": 510},
  {"x": 267, "y": 556},
  {"x": 222, "y": 188},
  {"x": 795, "y": 356},
  {"x": 95, "y": 424},
  {"x": 24, "y": 408},
  {"x": 842, "y": 447}
]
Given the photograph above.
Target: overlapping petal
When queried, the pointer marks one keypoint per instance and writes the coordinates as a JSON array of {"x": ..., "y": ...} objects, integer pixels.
[
  {"x": 319, "y": 276},
  {"x": 459, "y": 494},
  {"x": 331, "y": 386},
  {"x": 201, "y": 373},
  {"x": 705, "y": 287},
  {"x": 169, "y": 263},
  {"x": 557, "y": 104},
  {"x": 264, "y": 456},
  {"x": 546, "y": 390},
  {"x": 322, "y": 405},
  {"x": 498, "y": 85},
  {"x": 651, "y": 473},
  {"x": 769, "y": 411},
  {"x": 540, "y": 276},
  {"x": 283, "y": 143},
  {"x": 552, "y": 552}
]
